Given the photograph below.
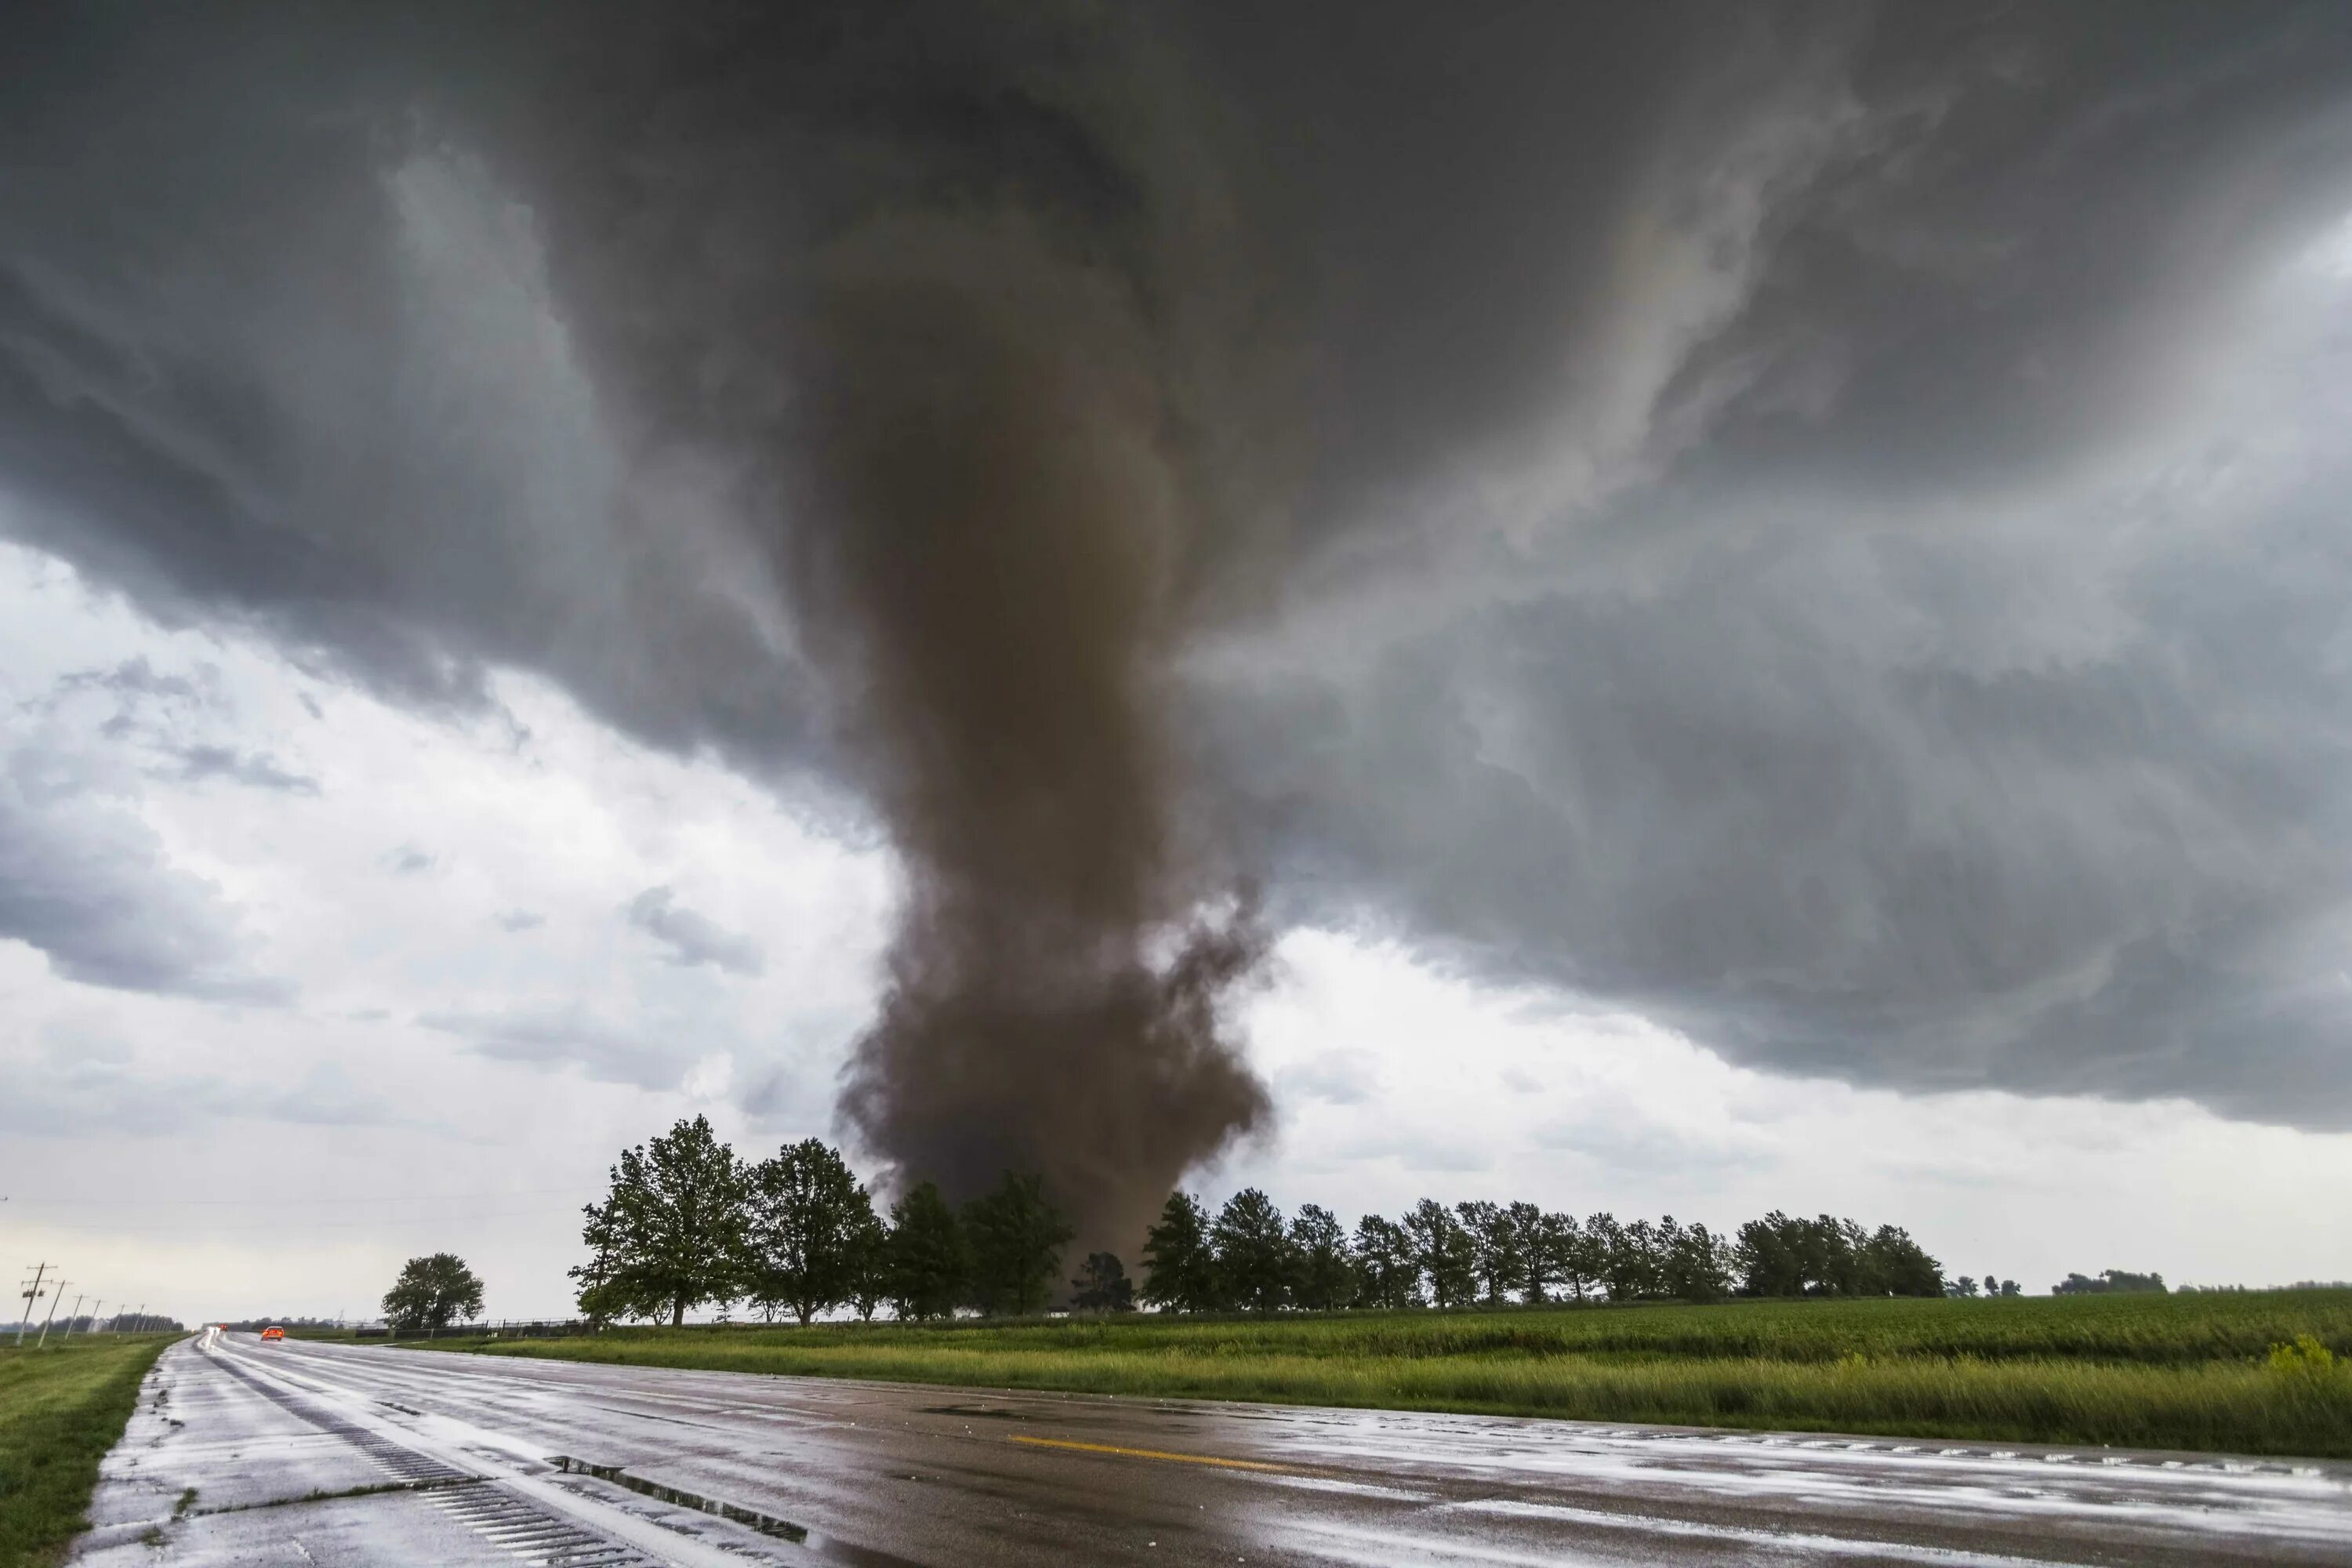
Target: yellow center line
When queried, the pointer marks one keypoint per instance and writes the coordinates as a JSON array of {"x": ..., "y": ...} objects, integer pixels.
[{"x": 1211, "y": 1460}]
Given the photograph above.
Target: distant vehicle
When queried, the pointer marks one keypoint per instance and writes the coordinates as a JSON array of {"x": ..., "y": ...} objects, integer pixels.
[{"x": 272, "y": 1332}]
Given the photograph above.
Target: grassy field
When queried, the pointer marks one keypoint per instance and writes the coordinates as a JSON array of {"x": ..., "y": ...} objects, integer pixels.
[
  {"x": 61, "y": 1408},
  {"x": 2163, "y": 1372}
]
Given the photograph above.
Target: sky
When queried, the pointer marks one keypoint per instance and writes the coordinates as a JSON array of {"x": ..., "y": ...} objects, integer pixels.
[{"x": 1732, "y": 610}]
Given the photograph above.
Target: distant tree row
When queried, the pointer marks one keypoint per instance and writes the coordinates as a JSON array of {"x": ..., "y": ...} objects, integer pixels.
[
  {"x": 1249, "y": 1257},
  {"x": 2110, "y": 1281},
  {"x": 686, "y": 1224}
]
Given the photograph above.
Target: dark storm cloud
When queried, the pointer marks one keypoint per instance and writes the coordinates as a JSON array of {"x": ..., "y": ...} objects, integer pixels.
[
  {"x": 1733, "y": 510},
  {"x": 89, "y": 884},
  {"x": 693, "y": 938}
]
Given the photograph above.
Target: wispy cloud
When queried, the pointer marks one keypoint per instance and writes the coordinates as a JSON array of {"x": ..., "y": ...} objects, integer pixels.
[{"x": 693, "y": 938}]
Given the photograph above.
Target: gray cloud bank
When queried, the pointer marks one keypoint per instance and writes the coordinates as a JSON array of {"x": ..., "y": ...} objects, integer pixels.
[
  {"x": 564, "y": 1037},
  {"x": 1802, "y": 520},
  {"x": 693, "y": 938},
  {"x": 87, "y": 882}
]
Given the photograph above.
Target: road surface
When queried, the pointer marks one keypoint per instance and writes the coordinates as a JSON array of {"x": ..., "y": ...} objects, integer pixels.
[{"x": 312, "y": 1454}]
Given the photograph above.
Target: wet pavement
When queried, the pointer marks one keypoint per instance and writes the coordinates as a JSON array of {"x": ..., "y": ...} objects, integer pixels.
[{"x": 300, "y": 1453}]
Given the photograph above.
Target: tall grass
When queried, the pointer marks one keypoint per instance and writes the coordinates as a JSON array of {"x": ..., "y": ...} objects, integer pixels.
[
  {"x": 2152, "y": 1372},
  {"x": 61, "y": 1408}
]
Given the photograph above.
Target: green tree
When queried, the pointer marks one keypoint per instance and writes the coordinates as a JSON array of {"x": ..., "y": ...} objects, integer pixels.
[
  {"x": 1615, "y": 1258},
  {"x": 669, "y": 1235},
  {"x": 1446, "y": 1255},
  {"x": 805, "y": 1219},
  {"x": 869, "y": 1263},
  {"x": 1102, "y": 1286},
  {"x": 1553, "y": 1249},
  {"x": 1181, "y": 1271},
  {"x": 1643, "y": 1255},
  {"x": 1326, "y": 1278},
  {"x": 1016, "y": 1239},
  {"x": 1495, "y": 1240},
  {"x": 1695, "y": 1263},
  {"x": 602, "y": 1296},
  {"x": 1895, "y": 1265},
  {"x": 1771, "y": 1256},
  {"x": 1388, "y": 1274},
  {"x": 929, "y": 1263},
  {"x": 432, "y": 1293},
  {"x": 1530, "y": 1276},
  {"x": 1254, "y": 1262}
]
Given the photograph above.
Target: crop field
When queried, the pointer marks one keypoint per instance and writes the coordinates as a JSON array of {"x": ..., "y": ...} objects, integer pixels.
[
  {"x": 2158, "y": 1372},
  {"x": 61, "y": 1408}
]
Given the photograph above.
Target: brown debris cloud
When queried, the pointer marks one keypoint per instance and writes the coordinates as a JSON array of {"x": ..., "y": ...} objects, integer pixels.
[
  {"x": 932, "y": 293},
  {"x": 1004, "y": 584}
]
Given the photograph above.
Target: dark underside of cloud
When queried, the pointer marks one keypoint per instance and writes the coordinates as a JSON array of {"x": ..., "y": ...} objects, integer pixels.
[{"x": 1821, "y": 524}]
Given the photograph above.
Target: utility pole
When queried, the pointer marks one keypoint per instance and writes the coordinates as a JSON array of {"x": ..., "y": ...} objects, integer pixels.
[
  {"x": 56, "y": 1290},
  {"x": 95, "y": 1309},
  {"x": 71, "y": 1318},
  {"x": 32, "y": 1294}
]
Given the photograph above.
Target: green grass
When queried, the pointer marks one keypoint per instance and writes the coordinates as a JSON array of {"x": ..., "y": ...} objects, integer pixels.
[
  {"x": 61, "y": 1408},
  {"x": 2164, "y": 1372}
]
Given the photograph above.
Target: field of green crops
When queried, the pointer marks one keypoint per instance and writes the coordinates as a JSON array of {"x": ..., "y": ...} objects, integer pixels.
[{"x": 2166, "y": 1371}]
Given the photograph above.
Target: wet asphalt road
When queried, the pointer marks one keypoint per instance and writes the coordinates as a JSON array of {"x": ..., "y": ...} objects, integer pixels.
[{"x": 338, "y": 1454}]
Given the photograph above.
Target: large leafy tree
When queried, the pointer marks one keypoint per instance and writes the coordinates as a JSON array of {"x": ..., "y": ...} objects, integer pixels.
[
  {"x": 1447, "y": 1256},
  {"x": 1016, "y": 1239},
  {"x": 1255, "y": 1259},
  {"x": 1326, "y": 1273},
  {"x": 432, "y": 1293},
  {"x": 1615, "y": 1257},
  {"x": 669, "y": 1235},
  {"x": 1495, "y": 1240},
  {"x": 1102, "y": 1285},
  {"x": 1386, "y": 1272},
  {"x": 869, "y": 1264},
  {"x": 806, "y": 1220},
  {"x": 1181, "y": 1271},
  {"x": 927, "y": 1265},
  {"x": 1895, "y": 1265},
  {"x": 1641, "y": 1269},
  {"x": 1552, "y": 1248},
  {"x": 1695, "y": 1263}
]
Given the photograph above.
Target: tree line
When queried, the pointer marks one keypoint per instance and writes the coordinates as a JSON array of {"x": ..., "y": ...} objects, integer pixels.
[
  {"x": 1250, "y": 1258},
  {"x": 687, "y": 1224}
]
